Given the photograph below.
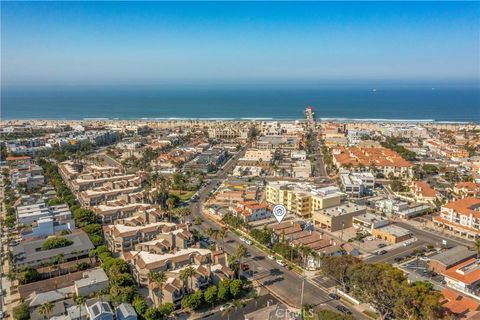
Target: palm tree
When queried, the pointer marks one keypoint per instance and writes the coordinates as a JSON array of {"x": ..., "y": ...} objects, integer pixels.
[
  {"x": 184, "y": 277},
  {"x": 222, "y": 233},
  {"x": 152, "y": 277},
  {"x": 239, "y": 254},
  {"x": 189, "y": 272},
  {"x": 46, "y": 309},
  {"x": 160, "y": 280},
  {"x": 79, "y": 301}
]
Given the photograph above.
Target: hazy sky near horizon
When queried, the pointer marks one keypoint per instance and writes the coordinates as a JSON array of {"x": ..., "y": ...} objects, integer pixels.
[{"x": 78, "y": 43}]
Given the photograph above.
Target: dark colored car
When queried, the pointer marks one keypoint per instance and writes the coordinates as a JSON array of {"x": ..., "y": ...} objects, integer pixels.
[
  {"x": 334, "y": 296},
  {"x": 381, "y": 245},
  {"x": 343, "y": 309}
]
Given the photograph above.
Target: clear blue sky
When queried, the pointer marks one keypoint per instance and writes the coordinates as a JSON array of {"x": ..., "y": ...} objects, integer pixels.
[{"x": 151, "y": 42}]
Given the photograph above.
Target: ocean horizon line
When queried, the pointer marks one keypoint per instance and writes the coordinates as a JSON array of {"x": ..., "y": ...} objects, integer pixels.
[{"x": 325, "y": 119}]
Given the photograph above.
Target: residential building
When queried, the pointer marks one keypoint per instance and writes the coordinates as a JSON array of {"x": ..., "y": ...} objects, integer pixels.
[
  {"x": 460, "y": 306},
  {"x": 125, "y": 235},
  {"x": 252, "y": 211},
  {"x": 464, "y": 277},
  {"x": 339, "y": 217},
  {"x": 384, "y": 160},
  {"x": 92, "y": 281},
  {"x": 467, "y": 189},
  {"x": 357, "y": 184},
  {"x": 125, "y": 311},
  {"x": 47, "y": 226},
  {"x": 301, "y": 199},
  {"x": 99, "y": 310},
  {"x": 423, "y": 192},
  {"x": 207, "y": 161},
  {"x": 400, "y": 208},
  {"x": 29, "y": 214},
  {"x": 460, "y": 216}
]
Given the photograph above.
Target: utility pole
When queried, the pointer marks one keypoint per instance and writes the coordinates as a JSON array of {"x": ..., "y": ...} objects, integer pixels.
[{"x": 301, "y": 296}]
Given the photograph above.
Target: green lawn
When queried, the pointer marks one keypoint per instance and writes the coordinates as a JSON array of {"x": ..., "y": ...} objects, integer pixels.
[{"x": 182, "y": 195}]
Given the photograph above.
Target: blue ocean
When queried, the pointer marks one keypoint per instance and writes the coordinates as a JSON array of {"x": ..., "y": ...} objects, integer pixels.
[{"x": 422, "y": 104}]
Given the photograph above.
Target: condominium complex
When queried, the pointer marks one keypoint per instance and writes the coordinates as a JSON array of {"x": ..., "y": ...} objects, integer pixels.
[
  {"x": 302, "y": 198},
  {"x": 461, "y": 216}
]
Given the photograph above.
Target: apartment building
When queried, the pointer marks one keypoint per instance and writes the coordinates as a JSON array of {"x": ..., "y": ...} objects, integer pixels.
[
  {"x": 357, "y": 184},
  {"x": 107, "y": 214},
  {"x": 423, "y": 192},
  {"x": 384, "y": 160},
  {"x": 127, "y": 233},
  {"x": 302, "y": 199},
  {"x": 467, "y": 189},
  {"x": 29, "y": 214},
  {"x": 99, "y": 196},
  {"x": 464, "y": 277},
  {"x": 142, "y": 262},
  {"x": 252, "y": 211},
  {"x": 461, "y": 216}
]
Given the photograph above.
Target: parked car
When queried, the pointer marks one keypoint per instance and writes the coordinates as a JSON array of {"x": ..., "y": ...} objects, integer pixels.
[
  {"x": 249, "y": 242},
  {"x": 381, "y": 245},
  {"x": 334, "y": 296},
  {"x": 379, "y": 253},
  {"x": 271, "y": 257},
  {"x": 242, "y": 239},
  {"x": 407, "y": 243},
  {"x": 343, "y": 309},
  {"x": 280, "y": 262}
]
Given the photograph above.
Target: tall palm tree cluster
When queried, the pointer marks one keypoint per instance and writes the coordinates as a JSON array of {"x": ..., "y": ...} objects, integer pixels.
[
  {"x": 216, "y": 234},
  {"x": 159, "y": 279},
  {"x": 156, "y": 190}
]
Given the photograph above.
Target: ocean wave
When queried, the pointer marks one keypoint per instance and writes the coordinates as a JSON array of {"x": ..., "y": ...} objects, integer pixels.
[{"x": 377, "y": 120}]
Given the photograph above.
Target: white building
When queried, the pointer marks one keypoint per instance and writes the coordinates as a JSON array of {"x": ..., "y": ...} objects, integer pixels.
[{"x": 357, "y": 184}]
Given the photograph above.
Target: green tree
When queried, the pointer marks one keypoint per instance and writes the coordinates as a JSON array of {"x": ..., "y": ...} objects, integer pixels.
[
  {"x": 223, "y": 290},
  {"x": 236, "y": 287},
  {"x": 338, "y": 268},
  {"x": 378, "y": 285},
  {"x": 21, "y": 312},
  {"x": 192, "y": 301},
  {"x": 166, "y": 309},
  {"x": 210, "y": 295},
  {"x": 139, "y": 304},
  {"x": 152, "y": 313},
  {"x": 418, "y": 301}
]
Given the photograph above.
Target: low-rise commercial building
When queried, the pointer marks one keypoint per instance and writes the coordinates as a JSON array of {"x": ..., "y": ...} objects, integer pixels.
[
  {"x": 338, "y": 217},
  {"x": 392, "y": 234}
]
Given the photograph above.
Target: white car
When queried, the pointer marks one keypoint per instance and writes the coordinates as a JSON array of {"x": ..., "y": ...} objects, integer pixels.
[
  {"x": 271, "y": 257},
  {"x": 407, "y": 243},
  {"x": 226, "y": 306},
  {"x": 249, "y": 242},
  {"x": 280, "y": 262},
  {"x": 242, "y": 239}
]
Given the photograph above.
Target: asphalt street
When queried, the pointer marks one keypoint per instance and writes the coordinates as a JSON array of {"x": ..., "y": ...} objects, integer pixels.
[{"x": 281, "y": 282}]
